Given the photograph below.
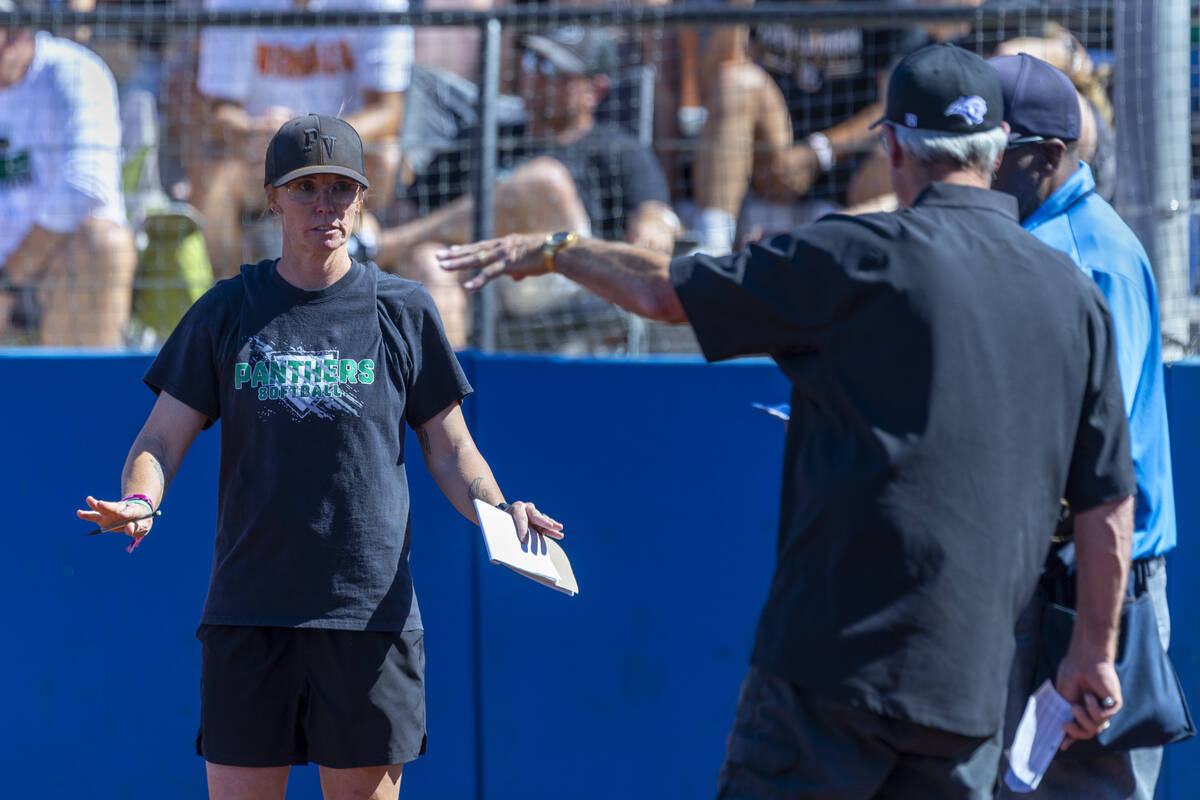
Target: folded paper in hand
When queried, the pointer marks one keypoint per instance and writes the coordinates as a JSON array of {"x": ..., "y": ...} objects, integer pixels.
[
  {"x": 1038, "y": 736},
  {"x": 540, "y": 558}
]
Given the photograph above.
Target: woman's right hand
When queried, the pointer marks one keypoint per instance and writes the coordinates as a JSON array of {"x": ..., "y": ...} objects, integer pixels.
[
  {"x": 118, "y": 515},
  {"x": 527, "y": 518}
]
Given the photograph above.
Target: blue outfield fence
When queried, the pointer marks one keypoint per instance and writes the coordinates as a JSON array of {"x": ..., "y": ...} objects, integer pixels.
[{"x": 667, "y": 481}]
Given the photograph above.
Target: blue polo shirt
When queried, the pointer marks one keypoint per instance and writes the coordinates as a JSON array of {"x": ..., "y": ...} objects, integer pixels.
[{"x": 1080, "y": 223}]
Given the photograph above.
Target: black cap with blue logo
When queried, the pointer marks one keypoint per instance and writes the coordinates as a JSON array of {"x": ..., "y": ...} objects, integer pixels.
[{"x": 943, "y": 87}]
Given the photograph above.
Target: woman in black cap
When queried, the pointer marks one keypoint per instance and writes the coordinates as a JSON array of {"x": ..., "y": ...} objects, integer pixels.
[{"x": 312, "y": 639}]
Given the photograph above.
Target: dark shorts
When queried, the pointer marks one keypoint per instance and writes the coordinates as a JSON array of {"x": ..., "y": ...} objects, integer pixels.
[
  {"x": 276, "y": 696},
  {"x": 791, "y": 743}
]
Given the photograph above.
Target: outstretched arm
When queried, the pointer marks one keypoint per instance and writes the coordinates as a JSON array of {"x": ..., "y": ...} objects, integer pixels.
[
  {"x": 633, "y": 278},
  {"x": 151, "y": 464},
  {"x": 463, "y": 475}
]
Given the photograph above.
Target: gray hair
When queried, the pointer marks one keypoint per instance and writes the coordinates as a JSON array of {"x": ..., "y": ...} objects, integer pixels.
[{"x": 977, "y": 151}]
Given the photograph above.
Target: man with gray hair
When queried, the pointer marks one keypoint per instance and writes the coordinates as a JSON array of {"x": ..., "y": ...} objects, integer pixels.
[{"x": 952, "y": 379}]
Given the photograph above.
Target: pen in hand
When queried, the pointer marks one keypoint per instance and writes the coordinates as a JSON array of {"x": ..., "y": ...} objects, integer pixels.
[{"x": 155, "y": 513}]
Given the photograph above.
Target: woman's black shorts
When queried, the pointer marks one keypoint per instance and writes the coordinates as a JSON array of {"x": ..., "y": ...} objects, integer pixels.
[{"x": 276, "y": 696}]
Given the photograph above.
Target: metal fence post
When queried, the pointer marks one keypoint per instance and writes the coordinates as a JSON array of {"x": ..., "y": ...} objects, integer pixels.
[
  {"x": 486, "y": 143},
  {"x": 1154, "y": 161}
]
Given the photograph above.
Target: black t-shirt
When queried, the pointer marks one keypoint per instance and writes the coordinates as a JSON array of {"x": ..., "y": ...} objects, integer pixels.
[
  {"x": 313, "y": 389},
  {"x": 952, "y": 378},
  {"x": 614, "y": 175},
  {"x": 827, "y": 76}
]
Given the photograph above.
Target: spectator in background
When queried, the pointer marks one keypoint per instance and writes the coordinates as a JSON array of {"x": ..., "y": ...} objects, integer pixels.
[
  {"x": 67, "y": 257},
  {"x": 255, "y": 79},
  {"x": 585, "y": 176},
  {"x": 1058, "y": 204},
  {"x": 788, "y": 112}
]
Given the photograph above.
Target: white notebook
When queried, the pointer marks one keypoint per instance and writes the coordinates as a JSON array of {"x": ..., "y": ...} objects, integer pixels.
[{"x": 540, "y": 558}]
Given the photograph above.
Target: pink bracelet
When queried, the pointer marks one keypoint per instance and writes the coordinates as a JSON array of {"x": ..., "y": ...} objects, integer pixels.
[{"x": 140, "y": 498}]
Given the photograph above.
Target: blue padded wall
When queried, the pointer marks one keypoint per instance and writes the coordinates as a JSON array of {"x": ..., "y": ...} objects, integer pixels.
[
  {"x": 1180, "y": 778},
  {"x": 666, "y": 479}
]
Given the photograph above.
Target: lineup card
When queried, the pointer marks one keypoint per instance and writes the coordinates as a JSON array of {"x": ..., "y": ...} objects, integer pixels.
[{"x": 538, "y": 558}]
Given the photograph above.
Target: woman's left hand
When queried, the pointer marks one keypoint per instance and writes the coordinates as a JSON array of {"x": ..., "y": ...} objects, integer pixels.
[{"x": 527, "y": 516}]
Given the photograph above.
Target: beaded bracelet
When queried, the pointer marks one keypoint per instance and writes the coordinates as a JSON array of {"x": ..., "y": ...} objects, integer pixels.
[{"x": 138, "y": 498}]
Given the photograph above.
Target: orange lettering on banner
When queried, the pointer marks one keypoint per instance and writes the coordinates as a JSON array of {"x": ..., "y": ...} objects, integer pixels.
[
  {"x": 347, "y": 55},
  {"x": 279, "y": 60}
]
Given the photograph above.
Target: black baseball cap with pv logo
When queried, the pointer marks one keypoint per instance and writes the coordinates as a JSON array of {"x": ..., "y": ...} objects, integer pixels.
[{"x": 312, "y": 145}]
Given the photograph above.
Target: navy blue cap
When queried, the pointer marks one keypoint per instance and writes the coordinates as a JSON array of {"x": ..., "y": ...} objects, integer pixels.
[
  {"x": 942, "y": 87},
  {"x": 1039, "y": 99}
]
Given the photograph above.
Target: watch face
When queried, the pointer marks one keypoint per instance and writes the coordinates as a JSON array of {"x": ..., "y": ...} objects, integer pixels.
[{"x": 559, "y": 238}]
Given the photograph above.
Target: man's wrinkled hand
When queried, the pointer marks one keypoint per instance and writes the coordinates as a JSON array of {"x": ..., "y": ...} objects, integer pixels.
[
  {"x": 518, "y": 255},
  {"x": 1092, "y": 688}
]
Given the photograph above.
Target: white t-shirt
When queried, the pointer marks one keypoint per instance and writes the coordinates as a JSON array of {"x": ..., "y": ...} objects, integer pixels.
[
  {"x": 322, "y": 70},
  {"x": 60, "y": 144}
]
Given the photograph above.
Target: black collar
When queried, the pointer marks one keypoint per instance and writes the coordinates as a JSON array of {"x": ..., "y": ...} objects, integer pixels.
[{"x": 953, "y": 195}]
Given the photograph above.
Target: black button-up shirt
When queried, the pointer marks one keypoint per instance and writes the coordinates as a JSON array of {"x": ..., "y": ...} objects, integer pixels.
[{"x": 952, "y": 379}]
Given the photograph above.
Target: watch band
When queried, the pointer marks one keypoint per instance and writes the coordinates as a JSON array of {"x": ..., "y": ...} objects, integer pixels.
[{"x": 555, "y": 242}]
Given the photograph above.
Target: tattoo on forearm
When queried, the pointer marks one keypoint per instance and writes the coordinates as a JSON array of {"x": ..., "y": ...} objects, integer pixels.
[
  {"x": 162, "y": 475},
  {"x": 152, "y": 448},
  {"x": 423, "y": 438},
  {"x": 477, "y": 490}
]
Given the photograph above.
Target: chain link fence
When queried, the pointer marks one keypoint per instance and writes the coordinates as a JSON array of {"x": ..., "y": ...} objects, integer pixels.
[{"x": 697, "y": 125}]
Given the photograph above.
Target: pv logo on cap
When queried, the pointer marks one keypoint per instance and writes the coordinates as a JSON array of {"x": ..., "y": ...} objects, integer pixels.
[
  {"x": 973, "y": 109},
  {"x": 310, "y": 137}
]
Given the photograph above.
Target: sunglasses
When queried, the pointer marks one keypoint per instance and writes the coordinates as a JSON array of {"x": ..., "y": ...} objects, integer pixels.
[
  {"x": 1021, "y": 141},
  {"x": 341, "y": 193},
  {"x": 535, "y": 63}
]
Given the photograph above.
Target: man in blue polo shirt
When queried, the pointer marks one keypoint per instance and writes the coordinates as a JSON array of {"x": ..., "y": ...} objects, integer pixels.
[{"x": 1057, "y": 203}]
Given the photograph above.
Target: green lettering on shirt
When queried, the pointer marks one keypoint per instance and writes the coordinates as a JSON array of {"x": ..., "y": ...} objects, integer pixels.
[{"x": 260, "y": 374}]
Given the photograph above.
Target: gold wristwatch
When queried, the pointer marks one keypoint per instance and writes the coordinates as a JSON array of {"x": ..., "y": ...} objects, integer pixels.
[{"x": 555, "y": 242}]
